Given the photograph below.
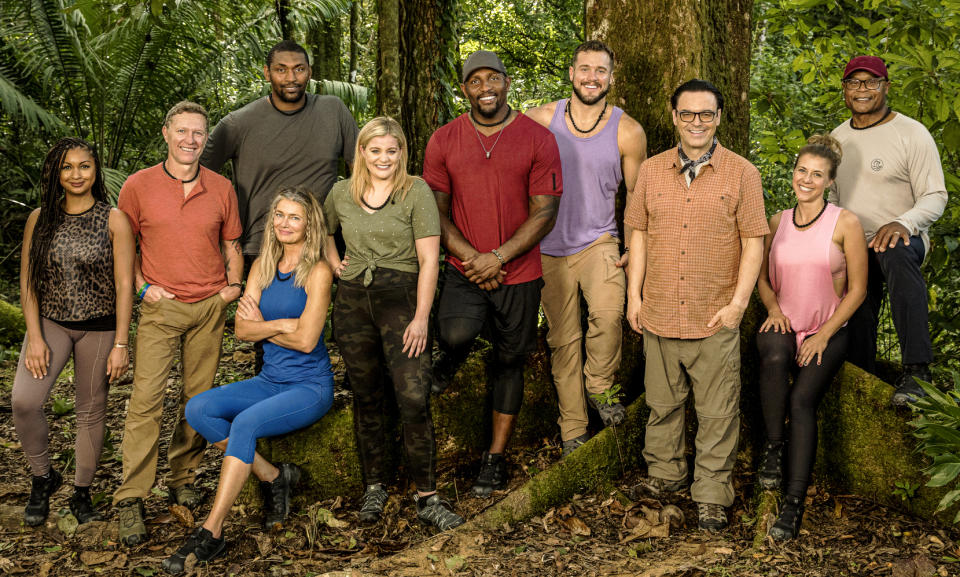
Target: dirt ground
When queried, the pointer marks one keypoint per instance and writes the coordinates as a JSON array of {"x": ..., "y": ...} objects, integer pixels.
[{"x": 592, "y": 535}]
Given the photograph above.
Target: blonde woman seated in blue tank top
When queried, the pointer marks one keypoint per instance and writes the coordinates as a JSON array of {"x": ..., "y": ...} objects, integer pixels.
[{"x": 285, "y": 305}]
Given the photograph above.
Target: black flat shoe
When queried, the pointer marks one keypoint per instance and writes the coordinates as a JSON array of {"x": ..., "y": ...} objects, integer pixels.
[{"x": 202, "y": 544}]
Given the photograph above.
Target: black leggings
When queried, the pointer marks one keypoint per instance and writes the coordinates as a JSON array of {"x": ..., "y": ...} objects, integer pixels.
[{"x": 777, "y": 361}]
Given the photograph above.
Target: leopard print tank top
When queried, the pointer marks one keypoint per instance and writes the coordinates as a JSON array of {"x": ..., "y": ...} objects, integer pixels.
[{"x": 78, "y": 276}]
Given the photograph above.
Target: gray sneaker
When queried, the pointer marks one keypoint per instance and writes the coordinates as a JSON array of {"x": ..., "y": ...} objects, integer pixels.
[
  {"x": 573, "y": 444},
  {"x": 657, "y": 486},
  {"x": 610, "y": 414},
  {"x": 712, "y": 517},
  {"x": 436, "y": 512},
  {"x": 132, "y": 530},
  {"x": 186, "y": 495},
  {"x": 372, "y": 502}
]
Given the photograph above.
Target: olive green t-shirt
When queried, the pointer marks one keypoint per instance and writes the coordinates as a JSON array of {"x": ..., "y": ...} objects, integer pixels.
[{"x": 386, "y": 238}]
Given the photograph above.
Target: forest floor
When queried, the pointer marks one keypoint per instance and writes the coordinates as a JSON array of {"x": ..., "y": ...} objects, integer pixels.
[{"x": 591, "y": 535}]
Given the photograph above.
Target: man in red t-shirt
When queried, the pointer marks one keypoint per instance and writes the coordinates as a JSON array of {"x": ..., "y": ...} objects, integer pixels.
[{"x": 496, "y": 177}]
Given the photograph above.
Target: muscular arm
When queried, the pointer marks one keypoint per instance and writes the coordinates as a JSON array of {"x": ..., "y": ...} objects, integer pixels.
[
  {"x": 542, "y": 114},
  {"x": 542, "y": 216},
  {"x": 632, "y": 142},
  {"x": 751, "y": 257},
  {"x": 451, "y": 238}
]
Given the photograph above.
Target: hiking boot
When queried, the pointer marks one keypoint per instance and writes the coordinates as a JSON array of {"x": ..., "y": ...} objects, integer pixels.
[
  {"x": 41, "y": 489},
  {"x": 374, "y": 498},
  {"x": 493, "y": 475},
  {"x": 186, "y": 495},
  {"x": 908, "y": 389},
  {"x": 82, "y": 506},
  {"x": 132, "y": 529},
  {"x": 657, "y": 485},
  {"x": 436, "y": 511},
  {"x": 712, "y": 517},
  {"x": 788, "y": 523},
  {"x": 573, "y": 444},
  {"x": 276, "y": 496},
  {"x": 202, "y": 544},
  {"x": 770, "y": 474},
  {"x": 612, "y": 414}
]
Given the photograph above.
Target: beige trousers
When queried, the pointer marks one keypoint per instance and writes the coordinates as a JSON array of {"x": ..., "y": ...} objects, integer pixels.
[
  {"x": 711, "y": 366},
  {"x": 166, "y": 325},
  {"x": 593, "y": 271}
]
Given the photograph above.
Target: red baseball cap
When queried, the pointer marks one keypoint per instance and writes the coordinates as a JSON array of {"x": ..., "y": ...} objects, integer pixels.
[{"x": 872, "y": 64}]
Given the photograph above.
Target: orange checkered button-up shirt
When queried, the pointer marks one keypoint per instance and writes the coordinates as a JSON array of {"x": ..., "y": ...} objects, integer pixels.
[{"x": 693, "y": 238}]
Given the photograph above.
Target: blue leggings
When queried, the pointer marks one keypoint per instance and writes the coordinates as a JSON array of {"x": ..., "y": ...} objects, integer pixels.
[{"x": 248, "y": 410}]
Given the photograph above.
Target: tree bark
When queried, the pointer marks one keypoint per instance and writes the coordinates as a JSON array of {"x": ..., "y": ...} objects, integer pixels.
[
  {"x": 283, "y": 10},
  {"x": 660, "y": 44},
  {"x": 415, "y": 88},
  {"x": 324, "y": 39}
]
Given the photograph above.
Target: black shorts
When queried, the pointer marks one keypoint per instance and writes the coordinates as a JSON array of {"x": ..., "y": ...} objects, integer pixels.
[{"x": 510, "y": 312}]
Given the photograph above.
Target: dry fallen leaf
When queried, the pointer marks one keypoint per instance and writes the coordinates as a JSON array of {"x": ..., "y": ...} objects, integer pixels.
[
  {"x": 96, "y": 557},
  {"x": 577, "y": 526},
  {"x": 723, "y": 551},
  {"x": 182, "y": 516}
]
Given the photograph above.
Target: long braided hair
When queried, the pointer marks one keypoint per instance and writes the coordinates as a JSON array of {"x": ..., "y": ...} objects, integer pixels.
[{"x": 51, "y": 201}]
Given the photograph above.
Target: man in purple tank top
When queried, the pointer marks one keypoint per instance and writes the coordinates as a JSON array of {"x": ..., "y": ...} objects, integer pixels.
[{"x": 600, "y": 147}]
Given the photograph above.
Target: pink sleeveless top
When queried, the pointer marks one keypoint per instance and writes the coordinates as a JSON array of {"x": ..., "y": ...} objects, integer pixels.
[{"x": 803, "y": 264}]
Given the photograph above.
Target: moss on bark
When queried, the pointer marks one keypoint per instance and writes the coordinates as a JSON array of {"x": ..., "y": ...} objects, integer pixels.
[{"x": 12, "y": 325}]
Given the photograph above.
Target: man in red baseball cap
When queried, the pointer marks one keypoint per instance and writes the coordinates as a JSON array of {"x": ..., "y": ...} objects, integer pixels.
[{"x": 891, "y": 178}]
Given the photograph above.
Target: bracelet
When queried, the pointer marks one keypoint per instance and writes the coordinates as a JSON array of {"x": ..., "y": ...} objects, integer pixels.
[
  {"x": 143, "y": 290},
  {"x": 119, "y": 345},
  {"x": 499, "y": 256},
  {"x": 236, "y": 284}
]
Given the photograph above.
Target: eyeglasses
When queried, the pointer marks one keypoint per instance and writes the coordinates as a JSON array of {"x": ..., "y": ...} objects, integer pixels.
[
  {"x": 853, "y": 84},
  {"x": 704, "y": 115}
]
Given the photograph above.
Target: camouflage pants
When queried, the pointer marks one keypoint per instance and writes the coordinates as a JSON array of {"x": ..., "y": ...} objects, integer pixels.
[{"x": 368, "y": 324}]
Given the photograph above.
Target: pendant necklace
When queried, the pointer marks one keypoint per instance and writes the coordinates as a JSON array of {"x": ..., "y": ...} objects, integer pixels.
[
  {"x": 577, "y": 128},
  {"x": 802, "y": 226},
  {"x": 499, "y": 134},
  {"x": 889, "y": 110},
  {"x": 164, "y": 165}
]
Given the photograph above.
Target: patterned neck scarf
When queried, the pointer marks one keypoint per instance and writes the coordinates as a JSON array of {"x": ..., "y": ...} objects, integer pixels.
[{"x": 692, "y": 165}]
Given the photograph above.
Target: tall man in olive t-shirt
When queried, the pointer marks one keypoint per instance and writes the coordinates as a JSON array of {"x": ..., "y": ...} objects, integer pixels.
[
  {"x": 496, "y": 177},
  {"x": 891, "y": 178},
  {"x": 188, "y": 270},
  {"x": 287, "y": 138}
]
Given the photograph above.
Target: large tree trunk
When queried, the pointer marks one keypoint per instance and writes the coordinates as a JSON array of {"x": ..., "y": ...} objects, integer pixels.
[
  {"x": 414, "y": 88},
  {"x": 660, "y": 44},
  {"x": 324, "y": 39}
]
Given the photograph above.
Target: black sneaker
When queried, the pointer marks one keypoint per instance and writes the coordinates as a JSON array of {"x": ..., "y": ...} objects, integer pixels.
[
  {"x": 131, "y": 528},
  {"x": 276, "y": 496},
  {"x": 573, "y": 444},
  {"x": 436, "y": 512},
  {"x": 770, "y": 474},
  {"x": 374, "y": 498},
  {"x": 712, "y": 517},
  {"x": 908, "y": 389},
  {"x": 202, "y": 544},
  {"x": 788, "y": 523},
  {"x": 82, "y": 506},
  {"x": 41, "y": 489},
  {"x": 493, "y": 475}
]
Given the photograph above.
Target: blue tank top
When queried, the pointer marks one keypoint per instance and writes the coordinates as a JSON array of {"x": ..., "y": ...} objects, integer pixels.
[
  {"x": 283, "y": 300},
  {"x": 591, "y": 176}
]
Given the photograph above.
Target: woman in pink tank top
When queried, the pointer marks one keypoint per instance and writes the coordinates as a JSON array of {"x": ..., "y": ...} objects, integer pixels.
[{"x": 813, "y": 278}]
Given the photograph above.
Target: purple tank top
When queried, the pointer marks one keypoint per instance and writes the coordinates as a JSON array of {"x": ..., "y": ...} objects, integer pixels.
[{"x": 591, "y": 176}]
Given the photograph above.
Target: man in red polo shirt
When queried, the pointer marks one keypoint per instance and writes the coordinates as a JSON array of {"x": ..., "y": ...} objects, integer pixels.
[
  {"x": 189, "y": 268},
  {"x": 496, "y": 176}
]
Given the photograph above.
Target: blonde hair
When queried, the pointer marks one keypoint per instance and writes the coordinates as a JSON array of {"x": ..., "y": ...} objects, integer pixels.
[
  {"x": 315, "y": 236},
  {"x": 186, "y": 107},
  {"x": 823, "y": 146},
  {"x": 360, "y": 179}
]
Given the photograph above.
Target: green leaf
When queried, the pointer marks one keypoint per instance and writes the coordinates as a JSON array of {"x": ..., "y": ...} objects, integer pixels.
[
  {"x": 62, "y": 406},
  {"x": 455, "y": 563},
  {"x": 940, "y": 475}
]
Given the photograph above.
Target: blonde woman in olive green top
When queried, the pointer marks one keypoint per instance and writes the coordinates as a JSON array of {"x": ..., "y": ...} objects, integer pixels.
[{"x": 388, "y": 278}]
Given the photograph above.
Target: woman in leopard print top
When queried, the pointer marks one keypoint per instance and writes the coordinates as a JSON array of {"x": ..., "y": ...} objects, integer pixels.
[{"x": 76, "y": 288}]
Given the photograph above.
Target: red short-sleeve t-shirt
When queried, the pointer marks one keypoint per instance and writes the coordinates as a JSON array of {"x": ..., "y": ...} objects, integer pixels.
[
  {"x": 180, "y": 237},
  {"x": 489, "y": 196}
]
